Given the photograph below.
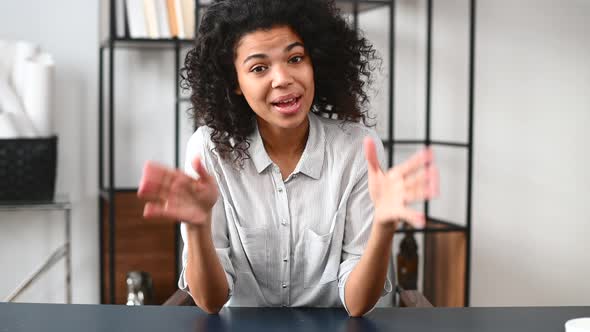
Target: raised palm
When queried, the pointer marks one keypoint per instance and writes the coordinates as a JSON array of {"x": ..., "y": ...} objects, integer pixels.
[
  {"x": 172, "y": 194},
  {"x": 392, "y": 191}
]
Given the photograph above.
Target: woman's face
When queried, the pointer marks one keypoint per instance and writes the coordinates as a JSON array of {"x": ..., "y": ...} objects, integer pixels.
[{"x": 275, "y": 75}]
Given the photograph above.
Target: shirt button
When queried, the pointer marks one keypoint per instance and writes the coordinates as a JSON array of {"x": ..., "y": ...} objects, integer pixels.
[
  {"x": 284, "y": 285},
  {"x": 284, "y": 222},
  {"x": 285, "y": 259},
  {"x": 280, "y": 189}
]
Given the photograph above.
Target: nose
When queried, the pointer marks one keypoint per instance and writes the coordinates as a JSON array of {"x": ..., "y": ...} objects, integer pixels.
[{"x": 281, "y": 77}]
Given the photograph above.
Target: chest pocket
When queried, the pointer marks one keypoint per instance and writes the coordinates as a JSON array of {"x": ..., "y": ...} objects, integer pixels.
[
  {"x": 251, "y": 249},
  {"x": 322, "y": 255}
]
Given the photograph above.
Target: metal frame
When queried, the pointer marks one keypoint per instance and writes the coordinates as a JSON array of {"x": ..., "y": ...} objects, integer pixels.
[
  {"x": 61, "y": 203},
  {"x": 391, "y": 142},
  {"x": 107, "y": 193}
]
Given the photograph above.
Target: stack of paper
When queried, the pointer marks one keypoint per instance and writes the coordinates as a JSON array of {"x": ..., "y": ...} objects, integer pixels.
[{"x": 26, "y": 83}]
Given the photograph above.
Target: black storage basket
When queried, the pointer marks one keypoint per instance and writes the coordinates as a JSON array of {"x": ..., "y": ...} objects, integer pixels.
[{"x": 27, "y": 169}]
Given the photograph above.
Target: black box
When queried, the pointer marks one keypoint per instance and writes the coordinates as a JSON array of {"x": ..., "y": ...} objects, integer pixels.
[{"x": 27, "y": 169}]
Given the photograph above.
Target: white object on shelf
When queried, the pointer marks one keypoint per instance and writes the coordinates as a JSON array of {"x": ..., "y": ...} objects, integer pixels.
[
  {"x": 38, "y": 93},
  {"x": 14, "y": 121},
  {"x": 6, "y": 59},
  {"x": 151, "y": 18},
  {"x": 8, "y": 126},
  {"x": 22, "y": 52},
  {"x": 578, "y": 325},
  {"x": 179, "y": 19},
  {"x": 136, "y": 18},
  {"x": 163, "y": 24},
  {"x": 188, "y": 18}
]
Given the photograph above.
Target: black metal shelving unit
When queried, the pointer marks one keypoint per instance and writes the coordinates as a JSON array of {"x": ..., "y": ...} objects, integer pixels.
[{"x": 108, "y": 190}]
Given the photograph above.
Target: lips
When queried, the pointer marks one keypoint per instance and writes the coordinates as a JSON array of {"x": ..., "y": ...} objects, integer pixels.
[
  {"x": 285, "y": 99},
  {"x": 288, "y": 106},
  {"x": 286, "y": 102}
]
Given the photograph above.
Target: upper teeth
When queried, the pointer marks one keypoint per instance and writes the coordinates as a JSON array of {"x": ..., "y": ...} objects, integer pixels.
[{"x": 287, "y": 101}]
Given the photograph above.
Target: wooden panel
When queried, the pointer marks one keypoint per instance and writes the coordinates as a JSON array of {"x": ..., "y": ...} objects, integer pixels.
[
  {"x": 413, "y": 299},
  {"x": 140, "y": 245},
  {"x": 444, "y": 268}
]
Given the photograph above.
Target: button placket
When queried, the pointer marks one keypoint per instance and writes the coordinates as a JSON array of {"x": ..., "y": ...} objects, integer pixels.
[
  {"x": 285, "y": 251},
  {"x": 284, "y": 234}
]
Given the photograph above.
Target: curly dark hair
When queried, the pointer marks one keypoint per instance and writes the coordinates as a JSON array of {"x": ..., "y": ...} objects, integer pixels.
[{"x": 342, "y": 63}]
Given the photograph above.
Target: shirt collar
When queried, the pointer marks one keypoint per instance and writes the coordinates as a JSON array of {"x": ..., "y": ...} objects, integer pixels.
[{"x": 312, "y": 159}]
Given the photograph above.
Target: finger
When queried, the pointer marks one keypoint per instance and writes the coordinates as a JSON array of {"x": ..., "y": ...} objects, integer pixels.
[
  {"x": 183, "y": 189},
  {"x": 434, "y": 181},
  {"x": 371, "y": 155},
  {"x": 413, "y": 184},
  {"x": 151, "y": 181},
  {"x": 422, "y": 186},
  {"x": 146, "y": 184},
  {"x": 414, "y": 218},
  {"x": 153, "y": 209},
  {"x": 164, "y": 188},
  {"x": 158, "y": 210},
  {"x": 416, "y": 161}
]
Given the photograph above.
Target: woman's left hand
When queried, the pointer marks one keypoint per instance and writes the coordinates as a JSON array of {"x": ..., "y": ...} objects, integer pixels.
[{"x": 392, "y": 191}]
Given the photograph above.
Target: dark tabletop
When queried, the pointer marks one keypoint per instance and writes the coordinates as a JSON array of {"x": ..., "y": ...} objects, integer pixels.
[{"x": 74, "y": 317}]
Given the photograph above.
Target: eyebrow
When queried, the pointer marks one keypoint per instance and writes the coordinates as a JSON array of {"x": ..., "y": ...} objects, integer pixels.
[{"x": 264, "y": 56}]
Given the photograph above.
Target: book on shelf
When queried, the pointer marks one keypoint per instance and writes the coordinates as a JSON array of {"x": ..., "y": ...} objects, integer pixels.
[
  {"x": 179, "y": 19},
  {"x": 162, "y": 18},
  {"x": 170, "y": 5},
  {"x": 188, "y": 18},
  {"x": 154, "y": 19},
  {"x": 121, "y": 23},
  {"x": 149, "y": 7},
  {"x": 137, "y": 19}
]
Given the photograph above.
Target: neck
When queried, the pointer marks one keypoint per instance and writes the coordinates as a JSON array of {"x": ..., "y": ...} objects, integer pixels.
[{"x": 284, "y": 142}]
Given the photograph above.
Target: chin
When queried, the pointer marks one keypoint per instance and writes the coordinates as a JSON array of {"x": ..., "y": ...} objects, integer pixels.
[{"x": 292, "y": 122}]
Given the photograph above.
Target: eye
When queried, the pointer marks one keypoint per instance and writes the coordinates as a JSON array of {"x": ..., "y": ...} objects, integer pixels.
[
  {"x": 296, "y": 59},
  {"x": 258, "y": 69}
]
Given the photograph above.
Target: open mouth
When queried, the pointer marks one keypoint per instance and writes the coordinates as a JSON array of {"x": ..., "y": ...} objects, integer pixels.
[{"x": 288, "y": 106}]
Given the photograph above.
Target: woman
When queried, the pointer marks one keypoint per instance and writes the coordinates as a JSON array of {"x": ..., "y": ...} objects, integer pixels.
[{"x": 279, "y": 205}]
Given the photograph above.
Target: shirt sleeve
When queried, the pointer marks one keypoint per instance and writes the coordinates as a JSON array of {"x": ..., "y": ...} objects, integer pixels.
[
  {"x": 358, "y": 222},
  {"x": 197, "y": 146}
]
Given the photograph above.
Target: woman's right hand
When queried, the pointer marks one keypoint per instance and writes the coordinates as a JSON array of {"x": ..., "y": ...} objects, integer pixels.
[{"x": 174, "y": 195}]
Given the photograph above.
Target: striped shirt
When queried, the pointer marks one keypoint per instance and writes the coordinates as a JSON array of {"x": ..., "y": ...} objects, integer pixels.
[{"x": 291, "y": 242}]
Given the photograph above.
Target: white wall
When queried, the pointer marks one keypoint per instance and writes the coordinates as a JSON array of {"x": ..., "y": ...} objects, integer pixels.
[
  {"x": 529, "y": 190},
  {"x": 68, "y": 30}
]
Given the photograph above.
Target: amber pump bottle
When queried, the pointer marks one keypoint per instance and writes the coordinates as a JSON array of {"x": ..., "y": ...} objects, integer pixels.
[{"x": 407, "y": 262}]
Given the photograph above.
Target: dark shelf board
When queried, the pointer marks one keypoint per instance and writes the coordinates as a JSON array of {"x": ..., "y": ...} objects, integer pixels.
[
  {"x": 441, "y": 226},
  {"x": 156, "y": 43},
  {"x": 388, "y": 143},
  {"x": 450, "y": 144},
  {"x": 347, "y": 6},
  {"x": 104, "y": 192}
]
